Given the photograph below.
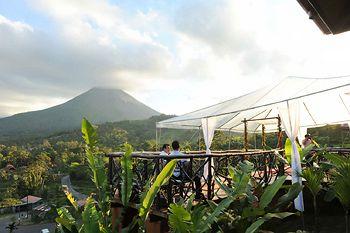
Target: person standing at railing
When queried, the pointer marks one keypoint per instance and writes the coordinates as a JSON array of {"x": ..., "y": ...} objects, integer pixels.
[
  {"x": 180, "y": 175},
  {"x": 176, "y": 152},
  {"x": 307, "y": 140},
  {"x": 165, "y": 152}
]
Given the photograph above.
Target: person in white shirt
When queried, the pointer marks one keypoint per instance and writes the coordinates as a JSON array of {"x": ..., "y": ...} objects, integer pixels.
[
  {"x": 176, "y": 151},
  {"x": 179, "y": 175},
  {"x": 165, "y": 150}
]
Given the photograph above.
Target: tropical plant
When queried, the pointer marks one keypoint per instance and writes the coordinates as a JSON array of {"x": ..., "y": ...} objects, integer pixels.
[
  {"x": 314, "y": 177},
  {"x": 251, "y": 211},
  {"x": 303, "y": 152},
  {"x": 96, "y": 216},
  {"x": 93, "y": 219},
  {"x": 11, "y": 227},
  {"x": 240, "y": 211},
  {"x": 184, "y": 218},
  {"x": 340, "y": 182}
]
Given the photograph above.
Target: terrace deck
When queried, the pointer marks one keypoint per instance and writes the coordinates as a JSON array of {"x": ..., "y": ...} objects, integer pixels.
[{"x": 268, "y": 165}]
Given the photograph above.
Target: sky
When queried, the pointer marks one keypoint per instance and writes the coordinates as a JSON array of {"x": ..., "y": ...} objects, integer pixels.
[{"x": 175, "y": 56}]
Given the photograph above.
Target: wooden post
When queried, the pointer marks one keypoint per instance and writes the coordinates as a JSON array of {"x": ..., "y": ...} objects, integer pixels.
[
  {"x": 169, "y": 191},
  {"x": 157, "y": 171},
  {"x": 245, "y": 134},
  {"x": 199, "y": 138},
  {"x": 209, "y": 178},
  {"x": 116, "y": 210},
  {"x": 110, "y": 174},
  {"x": 279, "y": 142},
  {"x": 263, "y": 137},
  {"x": 157, "y": 138},
  {"x": 279, "y": 146},
  {"x": 229, "y": 139}
]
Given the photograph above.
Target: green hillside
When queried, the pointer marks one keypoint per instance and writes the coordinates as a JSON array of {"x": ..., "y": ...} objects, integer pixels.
[{"x": 98, "y": 105}]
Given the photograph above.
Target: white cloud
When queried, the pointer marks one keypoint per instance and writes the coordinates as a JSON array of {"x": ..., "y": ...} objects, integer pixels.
[
  {"x": 15, "y": 25},
  {"x": 40, "y": 64}
]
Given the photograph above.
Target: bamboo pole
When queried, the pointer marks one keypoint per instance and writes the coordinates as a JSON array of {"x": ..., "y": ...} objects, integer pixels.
[
  {"x": 245, "y": 134},
  {"x": 263, "y": 137}
]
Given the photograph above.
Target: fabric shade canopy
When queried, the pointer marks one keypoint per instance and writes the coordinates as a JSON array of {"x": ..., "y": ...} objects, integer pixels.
[{"x": 322, "y": 101}]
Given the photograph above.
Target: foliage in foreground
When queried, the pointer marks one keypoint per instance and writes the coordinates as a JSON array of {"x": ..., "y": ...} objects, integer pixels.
[
  {"x": 340, "y": 183},
  {"x": 241, "y": 211},
  {"x": 96, "y": 215}
]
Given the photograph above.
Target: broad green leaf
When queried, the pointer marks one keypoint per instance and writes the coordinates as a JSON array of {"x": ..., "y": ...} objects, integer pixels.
[
  {"x": 161, "y": 179},
  {"x": 64, "y": 213},
  {"x": 313, "y": 178},
  {"x": 127, "y": 175},
  {"x": 341, "y": 184},
  {"x": 179, "y": 219},
  {"x": 330, "y": 195},
  {"x": 336, "y": 160},
  {"x": 220, "y": 208},
  {"x": 306, "y": 150},
  {"x": 60, "y": 228},
  {"x": 292, "y": 193},
  {"x": 66, "y": 219},
  {"x": 255, "y": 226},
  {"x": 66, "y": 226},
  {"x": 227, "y": 190},
  {"x": 90, "y": 217},
  {"x": 99, "y": 176},
  {"x": 89, "y": 132},
  {"x": 280, "y": 215},
  {"x": 288, "y": 150},
  {"x": 231, "y": 172},
  {"x": 252, "y": 212},
  {"x": 270, "y": 191},
  {"x": 242, "y": 177},
  {"x": 198, "y": 216},
  {"x": 190, "y": 202}
]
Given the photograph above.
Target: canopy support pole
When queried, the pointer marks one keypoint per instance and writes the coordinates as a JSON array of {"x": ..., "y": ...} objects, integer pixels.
[
  {"x": 229, "y": 139},
  {"x": 156, "y": 138},
  {"x": 279, "y": 137},
  {"x": 245, "y": 134},
  {"x": 199, "y": 138},
  {"x": 263, "y": 137}
]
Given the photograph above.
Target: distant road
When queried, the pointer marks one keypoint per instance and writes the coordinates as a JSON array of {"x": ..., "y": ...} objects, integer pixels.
[
  {"x": 66, "y": 181},
  {"x": 35, "y": 228}
]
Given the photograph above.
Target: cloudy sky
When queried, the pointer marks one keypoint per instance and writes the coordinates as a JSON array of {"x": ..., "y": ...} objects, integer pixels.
[{"x": 175, "y": 56}]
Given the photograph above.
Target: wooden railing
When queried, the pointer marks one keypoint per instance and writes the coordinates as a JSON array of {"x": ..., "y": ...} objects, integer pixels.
[{"x": 196, "y": 173}]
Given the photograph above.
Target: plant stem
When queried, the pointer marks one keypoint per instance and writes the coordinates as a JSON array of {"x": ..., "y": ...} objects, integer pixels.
[
  {"x": 315, "y": 214},
  {"x": 347, "y": 220},
  {"x": 302, "y": 220}
]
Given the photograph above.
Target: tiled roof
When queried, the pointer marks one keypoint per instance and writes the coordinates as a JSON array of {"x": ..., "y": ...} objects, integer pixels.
[{"x": 31, "y": 199}]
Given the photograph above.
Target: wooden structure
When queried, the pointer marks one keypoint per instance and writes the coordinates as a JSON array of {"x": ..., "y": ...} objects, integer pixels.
[
  {"x": 267, "y": 167},
  {"x": 263, "y": 133}
]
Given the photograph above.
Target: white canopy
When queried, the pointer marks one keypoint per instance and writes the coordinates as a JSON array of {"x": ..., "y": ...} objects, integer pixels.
[{"x": 322, "y": 101}]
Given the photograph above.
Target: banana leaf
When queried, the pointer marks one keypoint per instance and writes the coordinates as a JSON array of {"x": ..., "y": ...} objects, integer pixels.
[{"x": 161, "y": 179}]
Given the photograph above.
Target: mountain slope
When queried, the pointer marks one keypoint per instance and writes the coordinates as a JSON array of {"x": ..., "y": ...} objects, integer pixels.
[{"x": 98, "y": 105}]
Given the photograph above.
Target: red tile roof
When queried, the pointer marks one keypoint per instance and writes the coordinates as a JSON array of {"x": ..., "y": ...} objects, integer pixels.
[{"x": 31, "y": 199}]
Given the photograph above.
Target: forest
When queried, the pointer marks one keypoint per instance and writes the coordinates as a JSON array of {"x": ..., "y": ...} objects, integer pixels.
[{"x": 35, "y": 166}]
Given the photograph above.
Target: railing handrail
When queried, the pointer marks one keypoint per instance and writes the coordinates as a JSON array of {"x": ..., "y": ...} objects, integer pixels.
[{"x": 155, "y": 155}]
